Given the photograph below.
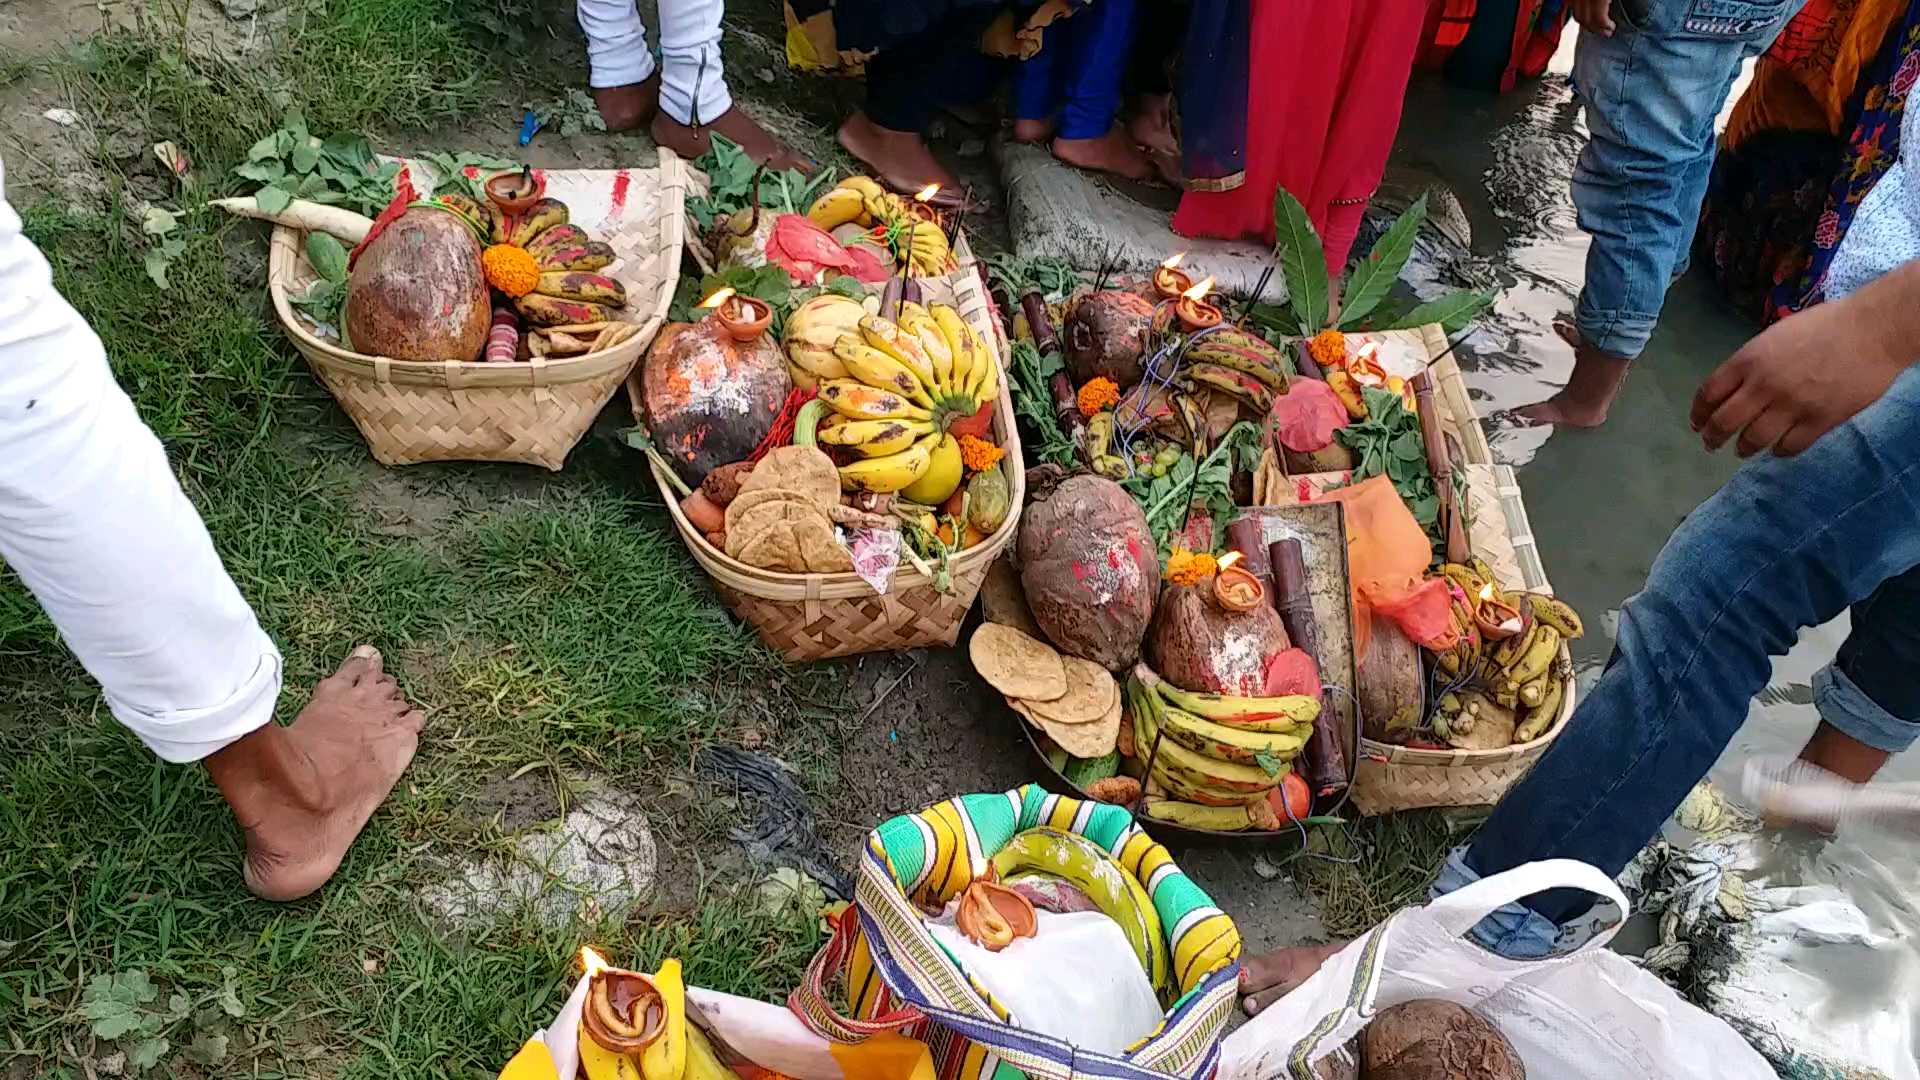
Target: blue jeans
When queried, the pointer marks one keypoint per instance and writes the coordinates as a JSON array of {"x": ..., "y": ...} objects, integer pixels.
[
  {"x": 1652, "y": 92},
  {"x": 1076, "y": 74},
  {"x": 1786, "y": 544}
]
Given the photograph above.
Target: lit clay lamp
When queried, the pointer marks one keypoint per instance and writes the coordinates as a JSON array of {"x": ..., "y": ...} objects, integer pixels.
[
  {"x": 743, "y": 317},
  {"x": 624, "y": 1014},
  {"x": 1193, "y": 310},
  {"x": 1235, "y": 588},
  {"x": 992, "y": 915},
  {"x": 1169, "y": 281},
  {"x": 1365, "y": 369},
  {"x": 515, "y": 192},
  {"x": 1497, "y": 621}
]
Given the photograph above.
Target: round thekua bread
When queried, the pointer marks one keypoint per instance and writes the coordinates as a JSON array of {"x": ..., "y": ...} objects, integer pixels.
[
  {"x": 1079, "y": 740},
  {"x": 1017, "y": 665},
  {"x": 1091, "y": 692}
]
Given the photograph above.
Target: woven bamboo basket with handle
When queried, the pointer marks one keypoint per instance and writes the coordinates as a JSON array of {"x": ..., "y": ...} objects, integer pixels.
[
  {"x": 534, "y": 411},
  {"x": 815, "y": 616}
]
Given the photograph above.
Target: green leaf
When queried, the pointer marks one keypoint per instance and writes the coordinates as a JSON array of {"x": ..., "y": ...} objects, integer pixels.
[
  {"x": 266, "y": 172},
  {"x": 1267, "y": 761},
  {"x": 156, "y": 262},
  {"x": 266, "y": 149},
  {"x": 305, "y": 157},
  {"x": 1425, "y": 509},
  {"x": 1373, "y": 279},
  {"x": 1277, "y": 319},
  {"x": 1453, "y": 312},
  {"x": 295, "y": 124},
  {"x": 206, "y": 1049},
  {"x": 1303, "y": 262},
  {"x": 350, "y": 152},
  {"x": 328, "y": 256},
  {"x": 1409, "y": 446},
  {"x": 310, "y": 185},
  {"x": 112, "y": 1002},
  {"x": 158, "y": 222},
  {"x": 272, "y": 200},
  {"x": 147, "y": 1053}
]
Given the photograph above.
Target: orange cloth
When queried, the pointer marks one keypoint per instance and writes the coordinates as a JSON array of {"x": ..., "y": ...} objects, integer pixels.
[
  {"x": 1803, "y": 81},
  {"x": 1387, "y": 558}
]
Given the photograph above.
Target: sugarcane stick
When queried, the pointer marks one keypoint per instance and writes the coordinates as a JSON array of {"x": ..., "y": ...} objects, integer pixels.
[
  {"x": 1066, "y": 403},
  {"x": 1458, "y": 550},
  {"x": 1325, "y": 759}
]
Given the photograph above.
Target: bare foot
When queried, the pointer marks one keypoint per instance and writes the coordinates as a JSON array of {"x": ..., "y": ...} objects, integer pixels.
[
  {"x": 1270, "y": 976},
  {"x": 626, "y": 108},
  {"x": 690, "y": 141},
  {"x": 1113, "y": 153},
  {"x": 1170, "y": 167},
  {"x": 1032, "y": 130},
  {"x": 303, "y": 792},
  {"x": 1589, "y": 393},
  {"x": 900, "y": 160},
  {"x": 1151, "y": 124}
]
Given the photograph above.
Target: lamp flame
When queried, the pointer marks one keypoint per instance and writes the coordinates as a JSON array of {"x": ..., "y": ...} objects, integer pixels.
[
  {"x": 926, "y": 193},
  {"x": 1486, "y": 591},
  {"x": 1227, "y": 560},
  {"x": 1174, "y": 260},
  {"x": 591, "y": 962},
  {"x": 1200, "y": 289},
  {"x": 719, "y": 296}
]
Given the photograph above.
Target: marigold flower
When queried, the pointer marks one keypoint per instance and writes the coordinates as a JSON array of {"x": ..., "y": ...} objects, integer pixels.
[
  {"x": 1328, "y": 349},
  {"x": 1190, "y": 567},
  {"x": 1099, "y": 393},
  {"x": 512, "y": 270},
  {"x": 978, "y": 454}
]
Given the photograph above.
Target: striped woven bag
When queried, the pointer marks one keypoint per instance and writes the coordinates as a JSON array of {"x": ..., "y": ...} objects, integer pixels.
[{"x": 898, "y": 978}]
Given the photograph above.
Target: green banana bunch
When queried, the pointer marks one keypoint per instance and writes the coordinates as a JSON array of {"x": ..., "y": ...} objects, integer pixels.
[{"x": 1119, "y": 894}]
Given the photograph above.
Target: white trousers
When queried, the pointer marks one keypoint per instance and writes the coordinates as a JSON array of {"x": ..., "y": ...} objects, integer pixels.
[
  {"x": 693, "y": 83},
  {"x": 95, "y": 524}
]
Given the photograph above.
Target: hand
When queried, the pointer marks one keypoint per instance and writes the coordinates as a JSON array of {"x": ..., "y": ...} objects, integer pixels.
[
  {"x": 1801, "y": 378},
  {"x": 1594, "y": 16}
]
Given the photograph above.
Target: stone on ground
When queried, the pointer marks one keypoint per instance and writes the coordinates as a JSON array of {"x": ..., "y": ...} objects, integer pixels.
[{"x": 599, "y": 861}]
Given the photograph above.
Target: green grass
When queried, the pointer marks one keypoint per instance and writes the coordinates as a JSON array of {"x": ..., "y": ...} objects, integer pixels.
[{"x": 1364, "y": 873}]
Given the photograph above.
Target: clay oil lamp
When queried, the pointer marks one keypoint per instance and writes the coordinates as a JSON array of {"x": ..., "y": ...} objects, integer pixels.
[
  {"x": 515, "y": 192},
  {"x": 742, "y": 317},
  {"x": 993, "y": 916},
  {"x": 1235, "y": 588},
  {"x": 922, "y": 205},
  {"x": 1193, "y": 310},
  {"x": 1497, "y": 620},
  {"x": 624, "y": 1012},
  {"x": 1365, "y": 369},
  {"x": 1169, "y": 281}
]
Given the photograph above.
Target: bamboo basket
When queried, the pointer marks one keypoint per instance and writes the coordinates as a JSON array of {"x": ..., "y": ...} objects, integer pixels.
[
  {"x": 532, "y": 412},
  {"x": 814, "y": 616}
]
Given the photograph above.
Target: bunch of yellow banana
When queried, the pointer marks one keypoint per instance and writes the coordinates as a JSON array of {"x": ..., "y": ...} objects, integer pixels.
[
  {"x": 1520, "y": 672},
  {"x": 1215, "y": 750},
  {"x": 860, "y": 200},
  {"x": 896, "y": 388}
]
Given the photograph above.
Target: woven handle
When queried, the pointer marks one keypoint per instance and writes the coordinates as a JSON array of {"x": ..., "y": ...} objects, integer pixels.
[{"x": 811, "y": 1004}]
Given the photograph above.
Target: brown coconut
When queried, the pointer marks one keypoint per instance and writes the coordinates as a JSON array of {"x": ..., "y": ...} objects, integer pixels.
[
  {"x": 1430, "y": 1039},
  {"x": 417, "y": 291},
  {"x": 1106, "y": 334},
  {"x": 709, "y": 400},
  {"x": 1198, "y": 645},
  {"x": 1088, "y": 565}
]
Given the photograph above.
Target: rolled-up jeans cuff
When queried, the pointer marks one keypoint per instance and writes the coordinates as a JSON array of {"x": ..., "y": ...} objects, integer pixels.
[
  {"x": 1512, "y": 931},
  {"x": 1851, "y": 712},
  {"x": 190, "y": 734},
  {"x": 1617, "y": 333}
]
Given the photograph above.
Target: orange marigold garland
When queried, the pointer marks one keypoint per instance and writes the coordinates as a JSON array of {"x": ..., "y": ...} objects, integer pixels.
[
  {"x": 1099, "y": 393},
  {"x": 512, "y": 270},
  {"x": 978, "y": 454},
  {"x": 1328, "y": 349},
  {"x": 1190, "y": 567}
]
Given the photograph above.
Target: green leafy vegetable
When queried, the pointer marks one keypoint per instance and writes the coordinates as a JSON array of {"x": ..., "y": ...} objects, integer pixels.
[
  {"x": 1015, "y": 276},
  {"x": 1303, "y": 270},
  {"x": 341, "y": 170},
  {"x": 1033, "y": 404},
  {"x": 1208, "y": 485},
  {"x": 1388, "y": 443},
  {"x": 769, "y": 283},
  {"x": 328, "y": 256},
  {"x": 730, "y": 185}
]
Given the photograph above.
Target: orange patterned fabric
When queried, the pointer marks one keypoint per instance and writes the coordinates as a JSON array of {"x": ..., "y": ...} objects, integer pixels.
[{"x": 1803, "y": 82}]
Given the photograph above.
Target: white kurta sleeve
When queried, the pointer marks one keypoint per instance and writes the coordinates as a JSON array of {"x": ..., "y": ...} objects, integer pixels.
[{"x": 94, "y": 522}]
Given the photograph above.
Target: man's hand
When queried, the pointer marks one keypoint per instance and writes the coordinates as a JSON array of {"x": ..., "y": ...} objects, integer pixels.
[
  {"x": 1808, "y": 373},
  {"x": 1594, "y": 16}
]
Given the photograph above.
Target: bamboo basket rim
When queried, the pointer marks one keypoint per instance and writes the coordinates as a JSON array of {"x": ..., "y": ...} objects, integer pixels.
[
  {"x": 777, "y": 585},
  {"x": 284, "y": 255}
]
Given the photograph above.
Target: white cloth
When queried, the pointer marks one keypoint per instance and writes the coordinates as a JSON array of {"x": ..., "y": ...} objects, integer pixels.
[
  {"x": 693, "y": 81},
  {"x": 95, "y": 524},
  {"x": 1886, "y": 229}
]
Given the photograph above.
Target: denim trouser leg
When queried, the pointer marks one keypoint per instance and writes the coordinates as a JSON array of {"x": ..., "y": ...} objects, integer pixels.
[
  {"x": 1652, "y": 92},
  {"x": 1787, "y": 543}
]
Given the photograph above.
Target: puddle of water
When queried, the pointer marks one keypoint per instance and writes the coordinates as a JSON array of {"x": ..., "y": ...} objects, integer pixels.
[{"x": 1602, "y": 503}]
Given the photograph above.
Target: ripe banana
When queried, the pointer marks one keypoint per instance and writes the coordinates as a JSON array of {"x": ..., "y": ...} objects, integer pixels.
[
  {"x": 886, "y": 335},
  {"x": 1183, "y": 785},
  {"x": 875, "y": 438},
  {"x": 837, "y": 207},
  {"x": 703, "y": 1063},
  {"x": 539, "y": 217},
  {"x": 1277, "y": 714},
  {"x": 878, "y": 369},
  {"x": 1544, "y": 714},
  {"x": 599, "y": 1063},
  {"x": 1215, "y": 818},
  {"x": 1532, "y": 693},
  {"x": 593, "y": 255},
  {"x": 1558, "y": 614},
  {"x": 543, "y": 310},
  {"x": 867, "y": 186},
  {"x": 934, "y": 344},
  {"x": 858, "y": 401},
  {"x": 665, "y": 1058},
  {"x": 555, "y": 238},
  {"x": 1119, "y": 894},
  {"x": 1245, "y": 388},
  {"x": 886, "y": 475},
  {"x": 1227, "y": 743},
  {"x": 583, "y": 285},
  {"x": 986, "y": 370},
  {"x": 1191, "y": 766},
  {"x": 1507, "y": 652},
  {"x": 1539, "y": 656}
]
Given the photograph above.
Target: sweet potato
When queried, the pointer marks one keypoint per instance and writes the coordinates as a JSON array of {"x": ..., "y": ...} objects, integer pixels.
[
  {"x": 1088, "y": 566},
  {"x": 1430, "y": 1039}
]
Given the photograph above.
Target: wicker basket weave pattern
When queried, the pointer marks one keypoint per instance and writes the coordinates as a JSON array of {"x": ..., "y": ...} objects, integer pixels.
[{"x": 532, "y": 412}]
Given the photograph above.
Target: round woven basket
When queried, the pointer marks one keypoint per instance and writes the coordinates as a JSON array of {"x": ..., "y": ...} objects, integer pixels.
[
  {"x": 1393, "y": 777},
  {"x": 532, "y": 412}
]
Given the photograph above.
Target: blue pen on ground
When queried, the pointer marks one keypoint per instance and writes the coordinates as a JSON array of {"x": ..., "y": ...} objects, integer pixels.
[{"x": 529, "y": 125}]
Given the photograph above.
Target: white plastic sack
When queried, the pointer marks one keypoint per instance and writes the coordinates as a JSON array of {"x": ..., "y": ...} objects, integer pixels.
[{"x": 1590, "y": 1014}]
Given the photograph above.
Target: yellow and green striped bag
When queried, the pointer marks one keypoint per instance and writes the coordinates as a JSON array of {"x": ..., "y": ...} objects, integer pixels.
[{"x": 898, "y": 978}]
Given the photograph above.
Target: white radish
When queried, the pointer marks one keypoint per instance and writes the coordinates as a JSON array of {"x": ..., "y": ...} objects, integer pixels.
[{"x": 349, "y": 226}]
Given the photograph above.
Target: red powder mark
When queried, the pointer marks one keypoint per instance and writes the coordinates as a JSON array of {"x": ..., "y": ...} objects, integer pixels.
[
  {"x": 622, "y": 180},
  {"x": 1079, "y": 572},
  {"x": 1113, "y": 558},
  {"x": 1133, "y": 545},
  {"x": 1302, "y": 491}
]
